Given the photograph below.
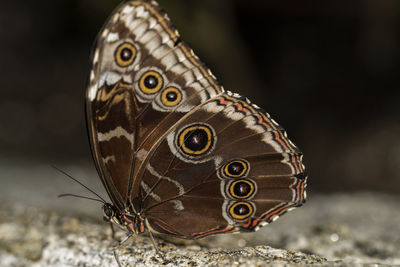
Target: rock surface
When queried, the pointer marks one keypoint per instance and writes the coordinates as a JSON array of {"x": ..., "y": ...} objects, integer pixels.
[{"x": 330, "y": 230}]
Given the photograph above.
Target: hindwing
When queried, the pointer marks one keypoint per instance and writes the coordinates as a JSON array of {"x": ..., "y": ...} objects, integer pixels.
[{"x": 225, "y": 167}]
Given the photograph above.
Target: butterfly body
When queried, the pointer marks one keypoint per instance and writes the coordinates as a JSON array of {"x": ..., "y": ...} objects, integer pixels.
[{"x": 177, "y": 154}]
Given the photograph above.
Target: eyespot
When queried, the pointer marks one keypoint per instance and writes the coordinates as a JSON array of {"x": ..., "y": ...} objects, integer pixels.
[
  {"x": 171, "y": 97},
  {"x": 151, "y": 82},
  {"x": 241, "y": 210},
  {"x": 236, "y": 168},
  {"x": 125, "y": 54},
  {"x": 242, "y": 189},
  {"x": 196, "y": 139}
]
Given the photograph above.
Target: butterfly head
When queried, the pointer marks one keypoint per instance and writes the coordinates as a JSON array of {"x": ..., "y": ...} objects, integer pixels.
[
  {"x": 110, "y": 213},
  {"x": 132, "y": 222}
]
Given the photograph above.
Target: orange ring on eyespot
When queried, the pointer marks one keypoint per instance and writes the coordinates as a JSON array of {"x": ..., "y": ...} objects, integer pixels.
[
  {"x": 236, "y": 183},
  {"x": 171, "y": 102},
  {"x": 125, "y": 54},
  {"x": 151, "y": 82},
  {"x": 241, "y": 207},
  {"x": 244, "y": 164},
  {"x": 196, "y": 129}
]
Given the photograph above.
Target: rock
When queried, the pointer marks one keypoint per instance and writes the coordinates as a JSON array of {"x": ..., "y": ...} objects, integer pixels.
[
  {"x": 348, "y": 230},
  {"x": 32, "y": 236}
]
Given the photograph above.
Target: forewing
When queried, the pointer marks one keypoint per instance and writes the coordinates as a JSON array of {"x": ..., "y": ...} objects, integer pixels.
[{"x": 143, "y": 80}]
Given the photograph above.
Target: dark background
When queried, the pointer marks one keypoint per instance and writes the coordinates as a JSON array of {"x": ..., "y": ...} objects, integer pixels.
[{"x": 328, "y": 71}]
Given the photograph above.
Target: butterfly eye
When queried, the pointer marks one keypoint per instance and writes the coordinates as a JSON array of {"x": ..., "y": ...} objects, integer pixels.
[
  {"x": 241, "y": 210},
  {"x": 236, "y": 168},
  {"x": 242, "y": 189},
  {"x": 171, "y": 97},
  {"x": 125, "y": 54},
  {"x": 196, "y": 140},
  {"x": 151, "y": 82},
  {"x": 107, "y": 212}
]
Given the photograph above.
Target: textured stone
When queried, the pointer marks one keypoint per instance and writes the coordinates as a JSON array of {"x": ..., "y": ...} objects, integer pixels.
[{"x": 348, "y": 230}]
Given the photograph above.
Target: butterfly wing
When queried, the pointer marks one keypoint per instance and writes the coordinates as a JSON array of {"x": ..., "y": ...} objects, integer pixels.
[
  {"x": 225, "y": 167},
  {"x": 170, "y": 144},
  {"x": 143, "y": 80}
]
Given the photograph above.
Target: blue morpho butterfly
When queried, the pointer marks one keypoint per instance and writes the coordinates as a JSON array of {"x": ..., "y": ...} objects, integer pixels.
[{"x": 177, "y": 154}]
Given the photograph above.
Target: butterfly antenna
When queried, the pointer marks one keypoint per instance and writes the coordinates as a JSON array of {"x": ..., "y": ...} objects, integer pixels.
[
  {"x": 76, "y": 180},
  {"x": 84, "y": 197}
]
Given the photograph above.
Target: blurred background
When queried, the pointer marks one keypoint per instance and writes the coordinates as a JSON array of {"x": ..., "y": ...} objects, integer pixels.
[{"x": 328, "y": 71}]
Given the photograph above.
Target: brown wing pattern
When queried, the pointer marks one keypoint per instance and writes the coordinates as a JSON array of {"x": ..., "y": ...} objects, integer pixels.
[
  {"x": 170, "y": 144},
  {"x": 190, "y": 195},
  {"x": 143, "y": 80}
]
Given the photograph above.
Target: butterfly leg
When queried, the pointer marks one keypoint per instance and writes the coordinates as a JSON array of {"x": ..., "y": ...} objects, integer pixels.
[
  {"x": 158, "y": 252},
  {"x": 125, "y": 239},
  {"x": 112, "y": 230},
  {"x": 119, "y": 245},
  {"x": 154, "y": 243},
  {"x": 117, "y": 258}
]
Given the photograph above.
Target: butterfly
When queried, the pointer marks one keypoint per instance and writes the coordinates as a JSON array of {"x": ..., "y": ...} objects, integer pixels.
[{"x": 177, "y": 154}]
